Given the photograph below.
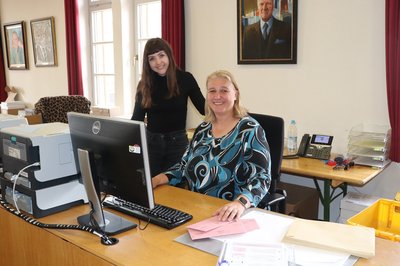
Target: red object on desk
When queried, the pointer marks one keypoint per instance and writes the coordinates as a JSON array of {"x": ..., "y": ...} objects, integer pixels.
[{"x": 331, "y": 163}]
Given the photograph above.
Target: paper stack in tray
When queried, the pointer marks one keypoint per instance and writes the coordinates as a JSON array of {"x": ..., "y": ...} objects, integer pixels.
[{"x": 10, "y": 106}]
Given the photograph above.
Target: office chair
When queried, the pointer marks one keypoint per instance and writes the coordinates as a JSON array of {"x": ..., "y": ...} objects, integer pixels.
[
  {"x": 273, "y": 126},
  {"x": 55, "y": 108}
]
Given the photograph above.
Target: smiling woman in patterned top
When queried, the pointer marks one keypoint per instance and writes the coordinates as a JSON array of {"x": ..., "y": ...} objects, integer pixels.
[{"x": 228, "y": 156}]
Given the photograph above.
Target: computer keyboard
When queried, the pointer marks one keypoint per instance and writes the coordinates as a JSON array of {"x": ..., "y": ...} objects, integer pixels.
[{"x": 161, "y": 215}]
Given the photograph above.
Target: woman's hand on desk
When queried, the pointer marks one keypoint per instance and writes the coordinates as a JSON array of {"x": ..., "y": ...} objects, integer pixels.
[
  {"x": 159, "y": 180},
  {"x": 230, "y": 211}
]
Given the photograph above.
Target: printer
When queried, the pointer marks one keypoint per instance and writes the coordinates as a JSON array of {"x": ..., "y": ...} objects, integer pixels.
[
  {"x": 40, "y": 160},
  {"x": 10, "y": 121}
]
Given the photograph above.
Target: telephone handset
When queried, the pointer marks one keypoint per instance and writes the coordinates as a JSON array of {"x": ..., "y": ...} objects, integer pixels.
[
  {"x": 303, "y": 144},
  {"x": 315, "y": 146}
]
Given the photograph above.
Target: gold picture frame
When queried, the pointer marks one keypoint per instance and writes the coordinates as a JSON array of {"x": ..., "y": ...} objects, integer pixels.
[
  {"x": 278, "y": 44},
  {"x": 16, "y": 48},
  {"x": 44, "y": 42}
]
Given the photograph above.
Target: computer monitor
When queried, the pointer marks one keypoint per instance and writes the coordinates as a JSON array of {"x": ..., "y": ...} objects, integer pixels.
[{"x": 113, "y": 158}]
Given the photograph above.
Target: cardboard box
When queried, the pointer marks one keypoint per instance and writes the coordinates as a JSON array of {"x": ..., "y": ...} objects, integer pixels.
[
  {"x": 104, "y": 111},
  {"x": 34, "y": 119},
  {"x": 301, "y": 201},
  {"x": 10, "y": 106},
  {"x": 11, "y": 111}
]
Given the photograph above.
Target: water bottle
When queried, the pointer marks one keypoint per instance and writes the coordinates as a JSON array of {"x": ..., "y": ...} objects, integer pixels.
[{"x": 292, "y": 137}]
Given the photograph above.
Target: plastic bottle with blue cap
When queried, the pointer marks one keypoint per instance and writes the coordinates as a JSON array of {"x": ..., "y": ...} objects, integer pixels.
[{"x": 292, "y": 138}]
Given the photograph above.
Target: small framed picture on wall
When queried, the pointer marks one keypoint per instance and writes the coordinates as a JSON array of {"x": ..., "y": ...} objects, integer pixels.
[
  {"x": 267, "y": 31},
  {"x": 44, "y": 42},
  {"x": 16, "y": 48}
]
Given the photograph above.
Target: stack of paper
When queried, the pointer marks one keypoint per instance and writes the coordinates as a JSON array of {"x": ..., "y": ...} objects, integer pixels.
[
  {"x": 356, "y": 240},
  {"x": 212, "y": 227},
  {"x": 267, "y": 254},
  {"x": 12, "y": 105},
  {"x": 272, "y": 229}
]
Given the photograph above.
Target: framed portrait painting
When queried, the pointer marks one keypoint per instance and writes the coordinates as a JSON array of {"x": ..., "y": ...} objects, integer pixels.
[
  {"x": 16, "y": 49},
  {"x": 44, "y": 42},
  {"x": 267, "y": 31}
]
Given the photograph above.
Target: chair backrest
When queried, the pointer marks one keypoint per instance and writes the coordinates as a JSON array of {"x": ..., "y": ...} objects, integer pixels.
[
  {"x": 274, "y": 128},
  {"x": 55, "y": 108}
]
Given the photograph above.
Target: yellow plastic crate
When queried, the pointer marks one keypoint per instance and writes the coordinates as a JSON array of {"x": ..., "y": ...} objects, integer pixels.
[{"x": 384, "y": 216}]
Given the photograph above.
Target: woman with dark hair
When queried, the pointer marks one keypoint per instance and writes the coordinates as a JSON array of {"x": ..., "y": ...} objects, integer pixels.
[{"x": 161, "y": 97}]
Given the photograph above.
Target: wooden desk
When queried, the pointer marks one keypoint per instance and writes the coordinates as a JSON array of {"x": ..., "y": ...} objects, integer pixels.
[
  {"x": 316, "y": 169},
  {"x": 25, "y": 244}
]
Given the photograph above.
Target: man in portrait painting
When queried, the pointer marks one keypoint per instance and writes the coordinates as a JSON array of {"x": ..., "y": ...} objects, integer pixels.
[{"x": 268, "y": 38}]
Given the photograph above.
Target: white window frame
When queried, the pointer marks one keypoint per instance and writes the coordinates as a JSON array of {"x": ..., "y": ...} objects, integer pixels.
[
  {"x": 125, "y": 52},
  {"x": 96, "y": 6},
  {"x": 139, "y": 53}
]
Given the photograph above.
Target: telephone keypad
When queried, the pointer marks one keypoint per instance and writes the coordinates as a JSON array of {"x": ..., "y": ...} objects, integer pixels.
[{"x": 318, "y": 151}]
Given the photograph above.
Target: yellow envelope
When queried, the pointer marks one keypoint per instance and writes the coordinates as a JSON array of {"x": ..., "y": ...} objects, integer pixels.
[{"x": 355, "y": 240}]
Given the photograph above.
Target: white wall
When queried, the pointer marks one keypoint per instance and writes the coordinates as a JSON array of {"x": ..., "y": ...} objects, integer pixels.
[
  {"x": 37, "y": 82},
  {"x": 338, "y": 81}
]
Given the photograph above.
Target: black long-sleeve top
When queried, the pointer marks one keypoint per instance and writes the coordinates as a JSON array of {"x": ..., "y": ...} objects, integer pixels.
[{"x": 168, "y": 115}]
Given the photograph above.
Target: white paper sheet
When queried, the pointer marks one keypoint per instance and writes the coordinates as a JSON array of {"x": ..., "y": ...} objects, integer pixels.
[
  {"x": 253, "y": 254},
  {"x": 272, "y": 230}
]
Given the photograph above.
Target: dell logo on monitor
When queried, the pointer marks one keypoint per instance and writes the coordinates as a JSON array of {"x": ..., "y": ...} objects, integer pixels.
[{"x": 96, "y": 127}]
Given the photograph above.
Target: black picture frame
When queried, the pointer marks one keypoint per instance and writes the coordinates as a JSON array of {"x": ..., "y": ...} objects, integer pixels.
[
  {"x": 16, "y": 48},
  {"x": 280, "y": 47}
]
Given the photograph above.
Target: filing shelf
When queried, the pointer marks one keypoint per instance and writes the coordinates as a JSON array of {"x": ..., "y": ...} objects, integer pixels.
[{"x": 369, "y": 145}]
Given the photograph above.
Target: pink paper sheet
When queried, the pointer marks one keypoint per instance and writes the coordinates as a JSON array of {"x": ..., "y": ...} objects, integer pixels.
[
  {"x": 208, "y": 224},
  {"x": 229, "y": 228}
]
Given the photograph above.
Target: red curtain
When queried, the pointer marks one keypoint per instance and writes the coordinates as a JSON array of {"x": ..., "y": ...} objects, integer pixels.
[
  {"x": 74, "y": 67},
  {"x": 3, "y": 83},
  {"x": 393, "y": 73},
  {"x": 173, "y": 28}
]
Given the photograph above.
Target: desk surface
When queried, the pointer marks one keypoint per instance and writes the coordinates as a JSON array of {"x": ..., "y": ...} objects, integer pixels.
[
  {"x": 357, "y": 175},
  {"x": 154, "y": 245},
  {"x": 135, "y": 247}
]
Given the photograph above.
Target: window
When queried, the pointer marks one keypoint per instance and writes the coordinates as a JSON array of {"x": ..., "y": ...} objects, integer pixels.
[
  {"x": 113, "y": 36},
  {"x": 148, "y": 26},
  {"x": 102, "y": 53}
]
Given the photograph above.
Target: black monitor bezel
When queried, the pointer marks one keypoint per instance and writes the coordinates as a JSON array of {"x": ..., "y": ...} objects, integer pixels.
[{"x": 102, "y": 120}]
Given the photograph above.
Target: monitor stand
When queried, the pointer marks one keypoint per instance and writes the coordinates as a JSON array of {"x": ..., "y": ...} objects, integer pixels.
[{"x": 108, "y": 222}]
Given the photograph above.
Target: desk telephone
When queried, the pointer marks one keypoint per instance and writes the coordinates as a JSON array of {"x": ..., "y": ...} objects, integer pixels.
[{"x": 315, "y": 146}]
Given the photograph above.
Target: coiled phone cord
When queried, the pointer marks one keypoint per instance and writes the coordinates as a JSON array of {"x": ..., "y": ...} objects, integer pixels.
[{"x": 105, "y": 239}]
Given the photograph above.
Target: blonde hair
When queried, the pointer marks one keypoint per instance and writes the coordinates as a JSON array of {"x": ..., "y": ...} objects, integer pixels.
[{"x": 238, "y": 110}]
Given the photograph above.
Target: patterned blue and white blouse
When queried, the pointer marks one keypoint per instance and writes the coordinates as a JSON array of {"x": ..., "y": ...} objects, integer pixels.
[{"x": 237, "y": 163}]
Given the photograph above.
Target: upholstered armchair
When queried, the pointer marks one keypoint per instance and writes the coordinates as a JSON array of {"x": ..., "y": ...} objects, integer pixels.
[{"x": 55, "y": 108}]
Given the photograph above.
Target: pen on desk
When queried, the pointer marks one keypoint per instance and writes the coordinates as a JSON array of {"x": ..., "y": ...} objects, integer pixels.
[
  {"x": 221, "y": 260},
  {"x": 223, "y": 263}
]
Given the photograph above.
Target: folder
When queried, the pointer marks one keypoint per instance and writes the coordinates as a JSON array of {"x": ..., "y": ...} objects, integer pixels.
[{"x": 356, "y": 240}]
